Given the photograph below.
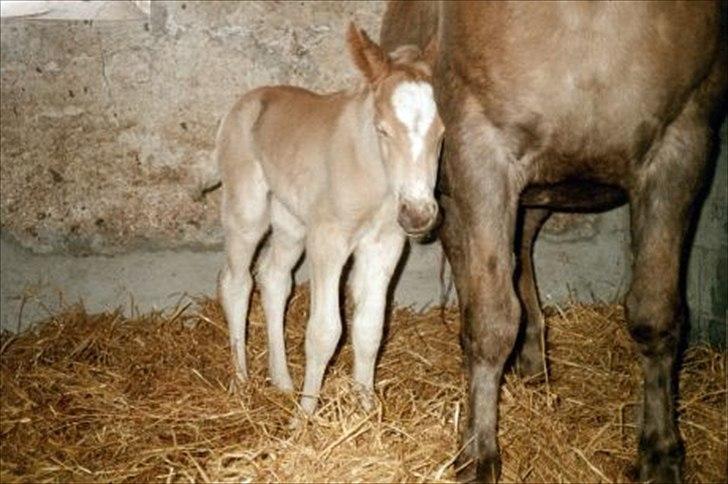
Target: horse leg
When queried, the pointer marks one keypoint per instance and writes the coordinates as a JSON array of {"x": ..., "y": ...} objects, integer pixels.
[
  {"x": 275, "y": 278},
  {"x": 245, "y": 219},
  {"x": 375, "y": 259},
  {"x": 662, "y": 197},
  {"x": 327, "y": 252},
  {"x": 478, "y": 237},
  {"x": 530, "y": 359}
]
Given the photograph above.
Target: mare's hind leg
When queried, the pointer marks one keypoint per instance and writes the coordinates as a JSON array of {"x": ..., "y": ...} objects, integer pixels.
[
  {"x": 375, "y": 259},
  {"x": 530, "y": 359},
  {"x": 245, "y": 220},
  {"x": 275, "y": 279},
  {"x": 662, "y": 196}
]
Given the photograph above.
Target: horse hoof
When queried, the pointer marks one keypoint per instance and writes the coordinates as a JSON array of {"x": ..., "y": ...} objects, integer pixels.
[
  {"x": 237, "y": 383},
  {"x": 530, "y": 369},
  {"x": 489, "y": 469},
  {"x": 365, "y": 396},
  {"x": 466, "y": 472},
  {"x": 284, "y": 384},
  {"x": 666, "y": 471},
  {"x": 660, "y": 465},
  {"x": 485, "y": 470}
]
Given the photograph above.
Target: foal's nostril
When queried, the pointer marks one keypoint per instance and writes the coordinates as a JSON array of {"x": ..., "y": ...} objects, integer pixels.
[{"x": 433, "y": 208}]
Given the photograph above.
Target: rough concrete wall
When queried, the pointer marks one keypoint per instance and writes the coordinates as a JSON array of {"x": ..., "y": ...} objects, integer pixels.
[
  {"x": 107, "y": 133},
  {"x": 707, "y": 284}
]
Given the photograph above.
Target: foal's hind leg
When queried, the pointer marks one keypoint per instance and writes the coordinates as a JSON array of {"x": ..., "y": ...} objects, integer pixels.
[
  {"x": 530, "y": 359},
  {"x": 245, "y": 220},
  {"x": 661, "y": 204},
  {"x": 374, "y": 262},
  {"x": 275, "y": 279}
]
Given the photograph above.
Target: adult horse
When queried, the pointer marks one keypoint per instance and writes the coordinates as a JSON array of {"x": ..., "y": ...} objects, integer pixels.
[{"x": 553, "y": 106}]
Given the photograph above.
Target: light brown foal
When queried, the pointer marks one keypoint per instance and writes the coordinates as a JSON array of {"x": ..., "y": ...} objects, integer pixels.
[{"x": 338, "y": 174}]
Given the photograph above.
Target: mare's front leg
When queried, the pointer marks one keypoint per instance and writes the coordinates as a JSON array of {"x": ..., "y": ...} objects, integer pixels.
[
  {"x": 478, "y": 237},
  {"x": 327, "y": 250},
  {"x": 375, "y": 259},
  {"x": 661, "y": 199}
]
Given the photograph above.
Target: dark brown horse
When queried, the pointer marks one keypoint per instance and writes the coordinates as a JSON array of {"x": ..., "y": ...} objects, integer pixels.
[{"x": 552, "y": 106}]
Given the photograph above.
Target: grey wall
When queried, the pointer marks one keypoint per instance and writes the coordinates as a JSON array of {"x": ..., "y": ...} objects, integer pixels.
[{"x": 107, "y": 131}]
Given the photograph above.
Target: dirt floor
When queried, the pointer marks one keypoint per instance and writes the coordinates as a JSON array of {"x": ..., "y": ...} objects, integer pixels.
[{"x": 107, "y": 398}]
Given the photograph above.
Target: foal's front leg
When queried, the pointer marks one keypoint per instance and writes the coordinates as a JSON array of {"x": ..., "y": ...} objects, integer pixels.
[
  {"x": 327, "y": 251},
  {"x": 375, "y": 260}
]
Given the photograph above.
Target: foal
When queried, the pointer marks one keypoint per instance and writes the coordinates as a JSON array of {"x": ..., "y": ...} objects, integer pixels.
[{"x": 336, "y": 174}]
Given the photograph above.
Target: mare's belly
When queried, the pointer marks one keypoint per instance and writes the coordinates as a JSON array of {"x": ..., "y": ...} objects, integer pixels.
[{"x": 579, "y": 91}]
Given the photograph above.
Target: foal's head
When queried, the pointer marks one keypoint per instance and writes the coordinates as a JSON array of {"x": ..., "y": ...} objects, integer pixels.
[{"x": 408, "y": 127}]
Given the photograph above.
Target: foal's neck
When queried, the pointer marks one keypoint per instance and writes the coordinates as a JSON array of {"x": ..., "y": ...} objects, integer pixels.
[{"x": 359, "y": 121}]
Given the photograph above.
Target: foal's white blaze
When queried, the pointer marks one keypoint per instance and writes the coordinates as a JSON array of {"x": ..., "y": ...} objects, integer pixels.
[{"x": 415, "y": 107}]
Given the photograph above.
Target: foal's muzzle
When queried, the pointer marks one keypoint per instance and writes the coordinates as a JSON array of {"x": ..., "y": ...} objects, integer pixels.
[{"x": 417, "y": 218}]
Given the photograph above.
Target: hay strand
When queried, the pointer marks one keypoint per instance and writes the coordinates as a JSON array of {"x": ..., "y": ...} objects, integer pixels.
[{"x": 107, "y": 398}]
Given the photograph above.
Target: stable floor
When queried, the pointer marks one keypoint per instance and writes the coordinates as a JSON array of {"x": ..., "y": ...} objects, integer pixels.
[{"x": 107, "y": 397}]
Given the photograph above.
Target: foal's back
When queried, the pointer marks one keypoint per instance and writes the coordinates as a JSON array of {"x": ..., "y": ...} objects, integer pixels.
[
  {"x": 309, "y": 148},
  {"x": 293, "y": 121}
]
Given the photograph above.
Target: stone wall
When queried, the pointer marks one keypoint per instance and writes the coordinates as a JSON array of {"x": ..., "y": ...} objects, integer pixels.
[
  {"x": 108, "y": 126},
  {"x": 107, "y": 134}
]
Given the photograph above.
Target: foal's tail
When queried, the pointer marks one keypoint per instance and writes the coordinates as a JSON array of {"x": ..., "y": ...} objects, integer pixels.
[
  {"x": 240, "y": 118},
  {"x": 210, "y": 189},
  {"x": 234, "y": 143}
]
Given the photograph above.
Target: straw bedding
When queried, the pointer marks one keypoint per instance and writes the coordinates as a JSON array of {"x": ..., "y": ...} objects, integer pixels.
[{"x": 107, "y": 398}]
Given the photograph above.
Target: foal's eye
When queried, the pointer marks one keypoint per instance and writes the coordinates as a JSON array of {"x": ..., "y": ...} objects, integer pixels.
[{"x": 382, "y": 131}]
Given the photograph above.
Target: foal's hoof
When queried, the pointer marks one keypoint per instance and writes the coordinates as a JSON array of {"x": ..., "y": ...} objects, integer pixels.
[
  {"x": 367, "y": 399},
  {"x": 284, "y": 383},
  {"x": 237, "y": 383},
  {"x": 480, "y": 470},
  {"x": 297, "y": 422},
  {"x": 308, "y": 404}
]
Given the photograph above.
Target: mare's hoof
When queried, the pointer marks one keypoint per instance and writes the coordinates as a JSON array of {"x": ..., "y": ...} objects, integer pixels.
[
  {"x": 658, "y": 466},
  {"x": 530, "y": 369},
  {"x": 481, "y": 470}
]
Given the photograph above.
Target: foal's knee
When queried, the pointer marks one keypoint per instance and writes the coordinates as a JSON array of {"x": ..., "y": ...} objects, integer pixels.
[
  {"x": 273, "y": 281},
  {"x": 322, "y": 336},
  {"x": 232, "y": 283}
]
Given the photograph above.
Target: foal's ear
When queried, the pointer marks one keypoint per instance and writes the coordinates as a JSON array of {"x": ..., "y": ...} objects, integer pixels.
[
  {"x": 369, "y": 58},
  {"x": 429, "y": 54}
]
